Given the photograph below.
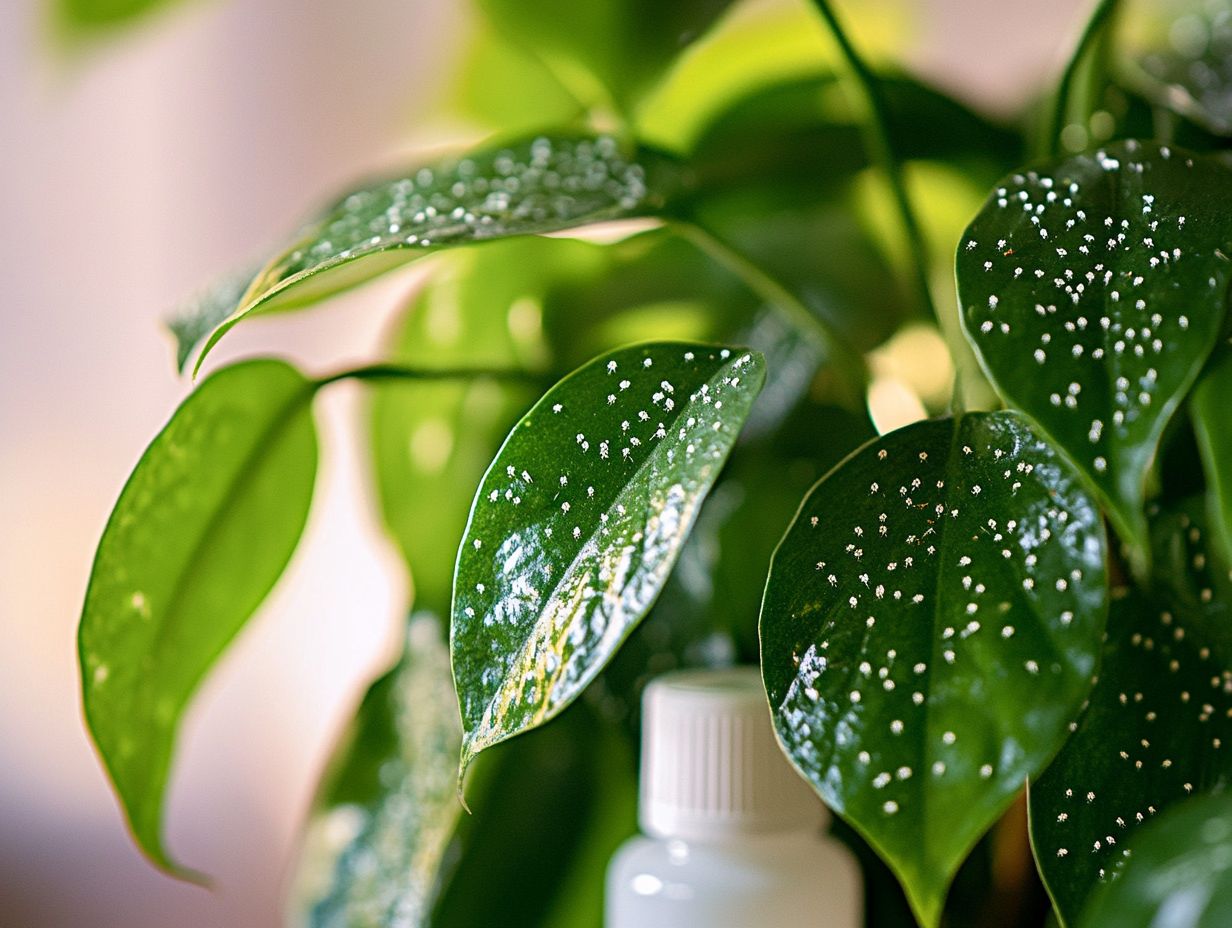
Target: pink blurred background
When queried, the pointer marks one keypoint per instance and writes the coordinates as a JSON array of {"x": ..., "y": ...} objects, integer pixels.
[{"x": 130, "y": 174}]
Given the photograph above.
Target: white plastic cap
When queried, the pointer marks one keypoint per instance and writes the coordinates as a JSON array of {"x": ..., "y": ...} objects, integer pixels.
[{"x": 710, "y": 764}]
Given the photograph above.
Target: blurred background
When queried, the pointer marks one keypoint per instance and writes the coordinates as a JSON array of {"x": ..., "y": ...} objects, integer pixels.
[{"x": 135, "y": 165}]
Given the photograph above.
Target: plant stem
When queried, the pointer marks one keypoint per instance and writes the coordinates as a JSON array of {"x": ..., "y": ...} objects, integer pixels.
[
  {"x": 394, "y": 372},
  {"x": 876, "y": 128},
  {"x": 1050, "y": 140},
  {"x": 848, "y": 363}
]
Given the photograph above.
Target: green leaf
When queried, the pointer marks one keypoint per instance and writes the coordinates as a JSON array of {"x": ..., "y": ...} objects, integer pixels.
[
  {"x": 432, "y": 442},
  {"x": 1093, "y": 290},
  {"x": 1179, "y": 874},
  {"x": 1157, "y": 728},
  {"x": 607, "y": 52},
  {"x": 1210, "y": 421},
  {"x": 528, "y": 186},
  {"x": 199, "y": 316},
  {"x": 374, "y": 845},
  {"x": 201, "y": 532},
  {"x": 930, "y": 625},
  {"x": 548, "y": 813},
  {"x": 98, "y": 16},
  {"x": 578, "y": 522},
  {"x": 1190, "y": 68}
]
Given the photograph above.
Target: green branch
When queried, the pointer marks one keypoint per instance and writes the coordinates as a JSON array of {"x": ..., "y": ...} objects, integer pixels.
[
  {"x": 1050, "y": 138},
  {"x": 876, "y": 128}
]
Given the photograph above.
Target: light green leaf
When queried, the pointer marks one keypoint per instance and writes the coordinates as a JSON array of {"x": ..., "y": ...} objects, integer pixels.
[
  {"x": 930, "y": 625},
  {"x": 607, "y": 52},
  {"x": 1093, "y": 290},
  {"x": 201, "y": 532},
  {"x": 432, "y": 442},
  {"x": 1210, "y": 422},
  {"x": 386, "y": 815},
  {"x": 528, "y": 186},
  {"x": 578, "y": 522},
  {"x": 199, "y": 316},
  {"x": 1179, "y": 874},
  {"x": 1158, "y": 727},
  {"x": 84, "y": 17}
]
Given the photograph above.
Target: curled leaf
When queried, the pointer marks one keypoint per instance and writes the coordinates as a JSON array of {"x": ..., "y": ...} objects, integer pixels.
[{"x": 528, "y": 186}]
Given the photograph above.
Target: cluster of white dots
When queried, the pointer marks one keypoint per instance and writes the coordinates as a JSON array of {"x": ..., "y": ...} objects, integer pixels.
[
  {"x": 1164, "y": 709},
  {"x": 537, "y": 186},
  {"x": 560, "y": 557},
  {"x": 923, "y": 545},
  {"x": 1091, "y": 285}
]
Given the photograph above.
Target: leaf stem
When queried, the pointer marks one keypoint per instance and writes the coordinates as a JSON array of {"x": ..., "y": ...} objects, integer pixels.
[
  {"x": 1050, "y": 139},
  {"x": 876, "y": 128},
  {"x": 848, "y": 363},
  {"x": 395, "y": 372}
]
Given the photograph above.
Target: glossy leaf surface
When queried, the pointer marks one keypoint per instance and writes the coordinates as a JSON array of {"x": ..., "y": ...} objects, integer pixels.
[
  {"x": 1093, "y": 290},
  {"x": 1179, "y": 874},
  {"x": 1190, "y": 71},
  {"x": 578, "y": 522},
  {"x": 1210, "y": 413},
  {"x": 529, "y": 186},
  {"x": 374, "y": 845},
  {"x": 201, "y": 532},
  {"x": 1158, "y": 728},
  {"x": 930, "y": 625}
]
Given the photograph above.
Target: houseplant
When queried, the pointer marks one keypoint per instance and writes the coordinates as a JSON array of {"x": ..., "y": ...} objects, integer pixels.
[{"x": 1025, "y": 585}]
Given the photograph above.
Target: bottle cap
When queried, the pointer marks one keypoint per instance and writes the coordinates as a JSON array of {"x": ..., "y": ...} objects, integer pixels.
[{"x": 710, "y": 764}]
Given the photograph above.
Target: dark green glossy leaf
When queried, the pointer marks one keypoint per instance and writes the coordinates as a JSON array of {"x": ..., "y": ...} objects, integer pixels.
[
  {"x": 605, "y": 51},
  {"x": 374, "y": 845},
  {"x": 930, "y": 626},
  {"x": 1093, "y": 291},
  {"x": 1159, "y": 723},
  {"x": 1190, "y": 70},
  {"x": 1178, "y": 874},
  {"x": 526, "y": 186},
  {"x": 1210, "y": 420},
  {"x": 578, "y": 522},
  {"x": 200, "y": 534}
]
